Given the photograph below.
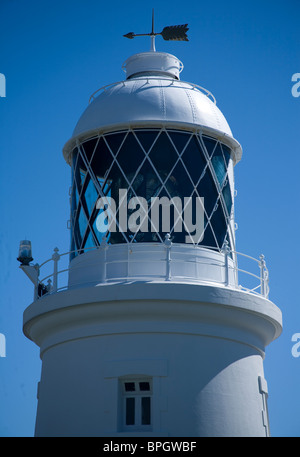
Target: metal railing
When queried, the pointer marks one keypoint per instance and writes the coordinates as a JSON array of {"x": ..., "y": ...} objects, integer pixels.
[
  {"x": 56, "y": 279},
  {"x": 147, "y": 78},
  {"x": 263, "y": 277}
]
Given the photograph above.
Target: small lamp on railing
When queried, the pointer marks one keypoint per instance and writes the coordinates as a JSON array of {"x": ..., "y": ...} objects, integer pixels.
[{"x": 25, "y": 252}]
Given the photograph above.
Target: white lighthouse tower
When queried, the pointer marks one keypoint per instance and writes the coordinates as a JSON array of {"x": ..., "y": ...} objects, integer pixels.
[{"x": 152, "y": 333}]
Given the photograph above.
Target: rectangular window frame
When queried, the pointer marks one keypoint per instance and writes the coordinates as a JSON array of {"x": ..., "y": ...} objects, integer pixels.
[{"x": 140, "y": 410}]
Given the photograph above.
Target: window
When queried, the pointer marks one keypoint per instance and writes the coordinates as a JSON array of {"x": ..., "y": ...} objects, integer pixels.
[
  {"x": 149, "y": 163},
  {"x": 136, "y": 404}
]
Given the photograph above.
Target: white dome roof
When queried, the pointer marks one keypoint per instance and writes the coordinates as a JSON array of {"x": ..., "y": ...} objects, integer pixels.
[{"x": 152, "y": 94}]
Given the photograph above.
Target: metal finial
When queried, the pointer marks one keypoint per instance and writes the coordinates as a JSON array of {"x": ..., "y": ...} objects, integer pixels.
[
  {"x": 169, "y": 33},
  {"x": 152, "y": 33},
  {"x": 168, "y": 240}
]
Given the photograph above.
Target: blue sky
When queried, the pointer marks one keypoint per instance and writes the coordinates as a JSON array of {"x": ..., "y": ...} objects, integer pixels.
[{"x": 54, "y": 55}]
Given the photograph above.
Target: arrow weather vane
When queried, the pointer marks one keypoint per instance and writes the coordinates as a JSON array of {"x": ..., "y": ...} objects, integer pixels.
[{"x": 170, "y": 33}]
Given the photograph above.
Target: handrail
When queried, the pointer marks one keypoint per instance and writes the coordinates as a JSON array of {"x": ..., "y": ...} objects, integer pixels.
[
  {"x": 146, "y": 78},
  {"x": 229, "y": 265},
  {"x": 246, "y": 255}
]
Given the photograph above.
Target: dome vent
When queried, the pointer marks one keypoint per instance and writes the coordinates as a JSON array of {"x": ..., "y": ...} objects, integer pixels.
[{"x": 153, "y": 63}]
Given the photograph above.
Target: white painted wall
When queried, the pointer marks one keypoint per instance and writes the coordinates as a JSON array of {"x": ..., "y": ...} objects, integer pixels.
[{"x": 203, "y": 348}]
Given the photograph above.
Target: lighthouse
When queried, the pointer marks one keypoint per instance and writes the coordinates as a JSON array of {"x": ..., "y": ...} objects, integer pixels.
[{"x": 145, "y": 327}]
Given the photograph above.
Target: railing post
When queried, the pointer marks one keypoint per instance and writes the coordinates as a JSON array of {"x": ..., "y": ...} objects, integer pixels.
[
  {"x": 263, "y": 285},
  {"x": 36, "y": 282},
  {"x": 226, "y": 251},
  {"x": 36, "y": 293},
  {"x": 168, "y": 244},
  {"x": 55, "y": 258},
  {"x": 266, "y": 281},
  {"x": 49, "y": 286}
]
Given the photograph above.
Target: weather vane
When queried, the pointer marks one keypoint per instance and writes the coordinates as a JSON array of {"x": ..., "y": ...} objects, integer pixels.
[{"x": 169, "y": 33}]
